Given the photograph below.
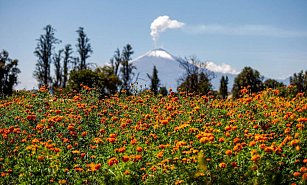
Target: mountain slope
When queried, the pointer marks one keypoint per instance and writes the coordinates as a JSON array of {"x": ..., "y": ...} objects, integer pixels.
[{"x": 169, "y": 70}]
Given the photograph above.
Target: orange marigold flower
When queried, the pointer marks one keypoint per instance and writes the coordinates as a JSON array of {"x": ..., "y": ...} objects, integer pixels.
[
  {"x": 139, "y": 149},
  {"x": 234, "y": 164},
  {"x": 111, "y": 139},
  {"x": 228, "y": 152},
  {"x": 84, "y": 134},
  {"x": 57, "y": 150},
  {"x": 137, "y": 158},
  {"x": 296, "y": 174},
  {"x": 69, "y": 147},
  {"x": 112, "y": 161},
  {"x": 125, "y": 158},
  {"x": 222, "y": 165},
  {"x": 133, "y": 141},
  {"x": 236, "y": 140},
  {"x": 252, "y": 143},
  {"x": 160, "y": 154},
  {"x": 303, "y": 170},
  {"x": 82, "y": 155},
  {"x": 40, "y": 158},
  {"x": 304, "y": 176},
  {"x": 164, "y": 122},
  {"x": 204, "y": 140},
  {"x": 122, "y": 149},
  {"x": 63, "y": 181},
  {"x": 221, "y": 139},
  {"x": 255, "y": 158}
]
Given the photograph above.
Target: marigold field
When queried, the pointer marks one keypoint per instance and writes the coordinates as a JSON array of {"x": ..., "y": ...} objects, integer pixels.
[{"x": 146, "y": 139}]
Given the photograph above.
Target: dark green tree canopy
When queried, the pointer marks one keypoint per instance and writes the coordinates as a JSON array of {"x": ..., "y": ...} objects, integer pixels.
[
  {"x": 101, "y": 78},
  {"x": 273, "y": 84},
  {"x": 299, "y": 81},
  {"x": 196, "y": 78},
  {"x": 8, "y": 73},
  {"x": 248, "y": 78}
]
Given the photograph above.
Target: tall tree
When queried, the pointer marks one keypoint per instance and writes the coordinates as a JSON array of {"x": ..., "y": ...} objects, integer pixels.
[
  {"x": 66, "y": 61},
  {"x": 8, "y": 73},
  {"x": 299, "y": 80},
  {"x": 43, "y": 51},
  {"x": 248, "y": 78},
  {"x": 127, "y": 67},
  {"x": 154, "y": 81},
  {"x": 224, "y": 87},
  {"x": 116, "y": 61},
  {"x": 83, "y": 47},
  {"x": 196, "y": 78},
  {"x": 58, "y": 71}
]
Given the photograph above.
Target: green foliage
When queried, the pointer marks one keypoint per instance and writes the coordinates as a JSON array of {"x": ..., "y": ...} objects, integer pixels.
[
  {"x": 299, "y": 81},
  {"x": 196, "y": 78},
  {"x": 102, "y": 79},
  {"x": 108, "y": 81},
  {"x": 8, "y": 73},
  {"x": 154, "y": 81},
  {"x": 223, "y": 87},
  {"x": 163, "y": 91},
  {"x": 78, "y": 78},
  {"x": 273, "y": 84},
  {"x": 248, "y": 78},
  {"x": 127, "y": 67},
  {"x": 43, "y": 51}
]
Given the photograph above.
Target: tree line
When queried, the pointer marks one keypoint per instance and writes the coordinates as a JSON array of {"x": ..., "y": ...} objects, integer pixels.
[{"x": 72, "y": 72}]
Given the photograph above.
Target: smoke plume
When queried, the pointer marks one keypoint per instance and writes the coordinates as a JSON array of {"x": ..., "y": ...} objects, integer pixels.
[{"x": 162, "y": 23}]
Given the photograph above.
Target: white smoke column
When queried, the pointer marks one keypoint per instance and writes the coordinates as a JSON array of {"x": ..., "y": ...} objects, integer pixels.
[{"x": 162, "y": 23}]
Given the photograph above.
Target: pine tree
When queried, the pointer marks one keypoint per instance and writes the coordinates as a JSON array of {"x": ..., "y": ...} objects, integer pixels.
[
  {"x": 155, "y": 81},
  {"x": 224, "y": 87}
]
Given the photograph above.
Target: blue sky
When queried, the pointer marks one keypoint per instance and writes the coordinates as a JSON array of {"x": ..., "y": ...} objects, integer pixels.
[{"x": 268, "y": 35}]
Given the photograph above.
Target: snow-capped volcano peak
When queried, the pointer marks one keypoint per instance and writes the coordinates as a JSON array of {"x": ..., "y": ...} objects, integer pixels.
[
  {"x": 158, "y": 53},
  {"x": 168, "y": 67}
]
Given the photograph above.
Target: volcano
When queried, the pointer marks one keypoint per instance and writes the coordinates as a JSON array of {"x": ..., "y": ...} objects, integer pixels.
[
  {"x": 168, "y": 66},
  {"x": 169, "y": 71}
]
